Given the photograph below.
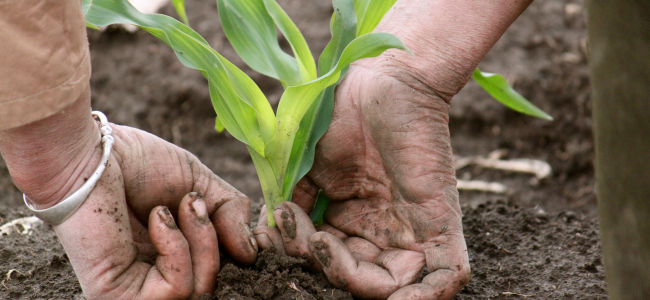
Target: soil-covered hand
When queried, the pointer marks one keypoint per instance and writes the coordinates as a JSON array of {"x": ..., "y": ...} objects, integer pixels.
[
  {"x": 386, "y": 165},
  {"x": 128, "y": 224},
  {"x": 123, "y": 242}
]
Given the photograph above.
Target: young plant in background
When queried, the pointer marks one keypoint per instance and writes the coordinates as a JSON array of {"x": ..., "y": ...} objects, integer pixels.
[{"x": 281, "y": 145}]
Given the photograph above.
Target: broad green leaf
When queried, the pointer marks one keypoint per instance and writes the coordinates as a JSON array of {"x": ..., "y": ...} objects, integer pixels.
[
  {"x": 360, "y": 9},
  {"x": 296, "y": 40},
  {"x": 252, "y": 32},
  {"x": 369, "y": 13},
  {"x": 296, "y": 100},
  {"x": 250, "y": 93},
  {"x": 218, "y": 126},
  {"x": 317, "y": 119},
  {"x": 243, "y": 114},
  {"x": 498, "y": 88},
  {"x": 343, "y": 28},
  {"x": 179, "y": 5}
]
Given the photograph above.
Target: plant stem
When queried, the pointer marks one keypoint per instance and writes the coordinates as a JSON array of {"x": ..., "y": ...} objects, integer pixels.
[
  {"x": 270, "y": 189},
  {"x": 317, "y": 214}
]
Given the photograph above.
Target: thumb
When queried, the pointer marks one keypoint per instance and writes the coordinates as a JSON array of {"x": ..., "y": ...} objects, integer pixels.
[
  {"x": 229, "y": 211},
  {"x": 450, "y": 272}
]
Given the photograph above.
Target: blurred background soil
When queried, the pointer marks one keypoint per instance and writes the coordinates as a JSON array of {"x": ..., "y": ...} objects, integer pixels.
[{"x": 541, "y": 240}]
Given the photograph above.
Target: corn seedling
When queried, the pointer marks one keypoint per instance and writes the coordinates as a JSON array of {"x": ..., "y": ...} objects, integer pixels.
[{"x": 282, "y": 144}]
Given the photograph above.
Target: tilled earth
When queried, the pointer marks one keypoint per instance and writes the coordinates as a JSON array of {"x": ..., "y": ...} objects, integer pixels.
[
  {"x": 514, "y": 252},
  {"x": 540, "y": 241}
]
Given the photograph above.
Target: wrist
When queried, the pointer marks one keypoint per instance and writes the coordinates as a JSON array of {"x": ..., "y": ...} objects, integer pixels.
[
  {"x": 448, "y": 40},
  {"x": 50, "y": 158}
]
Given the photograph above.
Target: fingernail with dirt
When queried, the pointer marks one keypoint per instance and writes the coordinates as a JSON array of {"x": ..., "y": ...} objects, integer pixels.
[
  {"x": 288, "y": 223},
  {"x": 322, "y": 253},
  {"x": 251, "y": 236},
  {"x": 199, "y": 209},
  {"x": 167, "y": 218}
]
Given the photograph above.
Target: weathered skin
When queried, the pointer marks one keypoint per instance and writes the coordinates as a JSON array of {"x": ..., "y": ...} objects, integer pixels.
[
  {"x": 386, "y": 161},
  {"x": 386, "y": 164},
  {"x": 123, "y": 241}
]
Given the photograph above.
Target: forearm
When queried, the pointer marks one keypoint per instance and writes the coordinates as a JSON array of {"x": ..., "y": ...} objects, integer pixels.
[
  {"x": 448, "y": 38},
  {"x": 49, "y": 159},
  {"x": 47, "y": 136}
]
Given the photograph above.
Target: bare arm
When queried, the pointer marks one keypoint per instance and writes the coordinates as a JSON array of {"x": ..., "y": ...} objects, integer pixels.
[{"x": 448, "y": 38}]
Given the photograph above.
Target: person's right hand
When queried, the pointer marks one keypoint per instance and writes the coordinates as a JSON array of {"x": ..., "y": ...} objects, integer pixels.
[
  {"x": 386, "y": 161},
  {"x": 386, "y": 165}
]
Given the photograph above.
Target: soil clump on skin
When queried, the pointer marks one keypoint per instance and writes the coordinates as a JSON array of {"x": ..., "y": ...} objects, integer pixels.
[{"x": 539, "y": 240}]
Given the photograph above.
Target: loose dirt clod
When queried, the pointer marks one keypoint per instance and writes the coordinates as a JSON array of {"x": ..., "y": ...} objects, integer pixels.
[{"x": 275, "y": 277}]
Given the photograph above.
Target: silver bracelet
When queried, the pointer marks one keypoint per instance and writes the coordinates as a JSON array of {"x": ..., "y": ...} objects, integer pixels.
[{"x": 60, "y": 212}]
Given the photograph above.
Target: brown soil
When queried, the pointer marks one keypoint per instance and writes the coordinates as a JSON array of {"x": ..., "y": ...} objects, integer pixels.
[{"x": 516, "y": 250}]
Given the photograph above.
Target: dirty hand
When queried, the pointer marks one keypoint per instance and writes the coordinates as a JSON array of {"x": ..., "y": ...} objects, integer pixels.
[
  {"x": 149, "y": 228},
  {"x": 386, "y": 161},
  {"x": 386, "y": 165}
]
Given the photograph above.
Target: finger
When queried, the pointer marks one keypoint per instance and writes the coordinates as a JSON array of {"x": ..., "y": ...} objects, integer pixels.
[
  {"x": 305, "y": 193},
  {"x": 449, "y": 267},
  {"x": 296, "y": 229},
  {"x": 202, "y": 239},
  {"x": 231, "y": 218},
  {"x": 263, "y": 219},
  {"x": 164, "y": 173},
  {"x": 332, "y": 230},
  {"x": 269, "y": 237},
  {"x": 172, "y": 277},
  {"x": 361, "y": 249},
  {"x": 393, "y": 269},
  {"x": 440, "y": 285}
]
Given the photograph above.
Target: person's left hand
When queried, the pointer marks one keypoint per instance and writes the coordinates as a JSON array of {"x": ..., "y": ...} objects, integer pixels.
[
  {"x": 152, "y": 226},
  {"x": 123, "y": 241}
]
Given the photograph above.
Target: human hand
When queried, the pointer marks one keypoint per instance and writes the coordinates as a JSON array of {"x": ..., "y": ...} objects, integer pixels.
[
  {"x": 386, "y": 165},
  {"x": 386, "y": 161},
  {"x": 123, "y": 241},
  {"x": 144, "y": 174}
]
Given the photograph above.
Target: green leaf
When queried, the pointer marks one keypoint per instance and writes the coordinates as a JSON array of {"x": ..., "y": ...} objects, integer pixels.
[
  {"x": 218, "y": 126},
  {"x": 298, "y": 44},
  {"x": 246, "y": 114},
  {"x": 317, "y": 119},
  {"x": 369, "y": 13},
  {"x": 252, "y": 32},
  {"x": 297, "y": 100},
  {"x": 179, "y": 5},
  {"x": 498, "y": 88},
  {"x": 343, "y": 28}
]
